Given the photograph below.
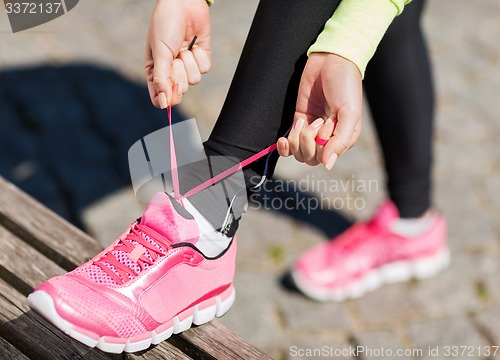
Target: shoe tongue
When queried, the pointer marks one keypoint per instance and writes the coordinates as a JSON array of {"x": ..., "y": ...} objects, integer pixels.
[
  {"x": 168, "y": 218},
  {"x": 385, "y": 215}
]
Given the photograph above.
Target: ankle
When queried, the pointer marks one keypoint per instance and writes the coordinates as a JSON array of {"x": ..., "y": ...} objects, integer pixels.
[
  {"x": 414, "y": 226},
  {"x": 212, "y": 242}
]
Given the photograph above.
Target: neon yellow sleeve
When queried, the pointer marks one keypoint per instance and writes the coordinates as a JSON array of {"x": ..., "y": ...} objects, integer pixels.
[{"x": 356, "y": 28}]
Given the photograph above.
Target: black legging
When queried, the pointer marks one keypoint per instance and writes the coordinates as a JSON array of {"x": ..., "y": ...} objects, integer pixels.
[
  {"x": 399, "y": 89},
  {"x": 260, "y": 104}
]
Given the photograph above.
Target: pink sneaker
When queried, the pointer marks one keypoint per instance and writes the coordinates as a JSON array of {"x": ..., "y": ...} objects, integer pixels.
[
  {"x": 152, "y": 282},
  {"x": 368, "y": 255}
]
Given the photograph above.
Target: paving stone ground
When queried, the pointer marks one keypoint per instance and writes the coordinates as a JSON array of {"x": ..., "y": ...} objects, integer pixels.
[{"x": 460, "y": 307}]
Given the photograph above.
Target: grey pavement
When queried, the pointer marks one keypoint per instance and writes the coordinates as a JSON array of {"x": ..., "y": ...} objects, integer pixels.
[{"x": 460, "y": 307}]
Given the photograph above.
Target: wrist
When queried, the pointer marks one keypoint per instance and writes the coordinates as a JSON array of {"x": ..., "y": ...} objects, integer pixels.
[
  {"x": 335, "y": 58},
  {"x": 355, "y": 29}
]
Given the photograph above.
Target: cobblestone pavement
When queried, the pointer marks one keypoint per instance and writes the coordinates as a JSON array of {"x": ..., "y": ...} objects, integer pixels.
[{"x": 459, "y": 307}]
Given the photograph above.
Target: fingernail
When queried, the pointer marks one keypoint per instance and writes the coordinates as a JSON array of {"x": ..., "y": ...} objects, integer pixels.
[
  {"x": 179, "y": 88},
  {"x": 317, "y": 123},
  {"x": 162, "y": 99},
  {"x": 282, "y": 144},
  {"x": 299, "y": 125},
  {"x": 329, "y": 120},
  {"x": 331, "y": 161}
]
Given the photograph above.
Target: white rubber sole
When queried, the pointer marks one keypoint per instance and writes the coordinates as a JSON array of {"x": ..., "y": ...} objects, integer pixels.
[
  {"x": 42, "y": 302},
  {"x": 395, "y": 272}
]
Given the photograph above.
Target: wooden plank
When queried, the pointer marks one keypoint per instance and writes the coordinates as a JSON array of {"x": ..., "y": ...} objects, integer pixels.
[
  {"x": 220, "y": 343},
  {"x": 162, "y": 351},
  {"x": 9, "y": 351},
  {"x": 37, "y": 339},
  {"x": 23, "y": 267},
  {"x": 42, "y": 229}
]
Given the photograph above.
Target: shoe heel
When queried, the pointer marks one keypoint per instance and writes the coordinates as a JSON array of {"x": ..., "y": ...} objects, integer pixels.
[
  {"x": 431, "y": 266},
  {"x": 223, "y": 306}
]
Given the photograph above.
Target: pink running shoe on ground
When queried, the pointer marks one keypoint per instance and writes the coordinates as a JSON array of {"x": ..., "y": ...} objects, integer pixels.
[
  {"x": 152, "y": 282},
  {"x": 371, "y": 254}
]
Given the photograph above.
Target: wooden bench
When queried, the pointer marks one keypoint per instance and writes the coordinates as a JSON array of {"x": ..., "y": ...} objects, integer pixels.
[{"x": 37, "y": 244}]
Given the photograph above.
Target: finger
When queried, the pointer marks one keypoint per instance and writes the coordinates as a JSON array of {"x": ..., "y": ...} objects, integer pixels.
[
  {"x": 283, "y": 147},
  {"x": 325, "y": 132},
  {"x": 176, "y": 94},
  {"x": 341, "y": 139},
  {"x": 159, "y": 101},
  {"x": 180, "y": 81},
  {"x": 148, "y": 72},
  {"x": 307, "y": 143},
  {"x": 202, "y": 59},
  {"x": 152, "y": 93},
  {"x": 162, "y": 60},
  {"x": 294, "y": 138},
  {"x": 193, "y": 73},
  {"x": 179, "y": 75}
]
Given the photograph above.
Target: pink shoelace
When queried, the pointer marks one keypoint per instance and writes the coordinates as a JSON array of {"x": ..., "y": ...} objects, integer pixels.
[
  {"x": 130, "y": 241},
  {"x": 137, "y": 246},
  {"x": 215, "y": 179}
]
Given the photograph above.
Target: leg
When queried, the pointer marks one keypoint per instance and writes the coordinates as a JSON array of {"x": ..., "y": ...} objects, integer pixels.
[
  {"x": 261, "y": 101},
  {"x": 399, "y": 89},
  {"x": 260, "y": 105}
]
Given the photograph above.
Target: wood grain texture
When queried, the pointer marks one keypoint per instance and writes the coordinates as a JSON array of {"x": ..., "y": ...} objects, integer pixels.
[
  {"x": 162, "y": 351},
  {"x": 23, "y": 267},
  {"x": 28, "y": 331},
  {"x": 42, "y": 229},
  {"x": 9, "y": 351},
  {"x": 220, "y": 343}
]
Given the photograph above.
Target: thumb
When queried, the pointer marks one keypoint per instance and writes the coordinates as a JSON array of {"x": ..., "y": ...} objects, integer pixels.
[
  {"x": 283, "y": 147},
  {"x": 162, "y": 72}
]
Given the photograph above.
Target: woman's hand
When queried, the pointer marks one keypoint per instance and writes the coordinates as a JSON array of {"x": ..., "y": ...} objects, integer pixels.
[
  {"x": 169, "y": 65},
  {"x": 329, "y": 106}
]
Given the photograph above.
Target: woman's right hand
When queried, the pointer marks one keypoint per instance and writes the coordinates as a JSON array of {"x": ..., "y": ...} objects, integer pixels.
[
  {"x": 169, "y": 65},
  {"x": 329, "y": 105}
]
